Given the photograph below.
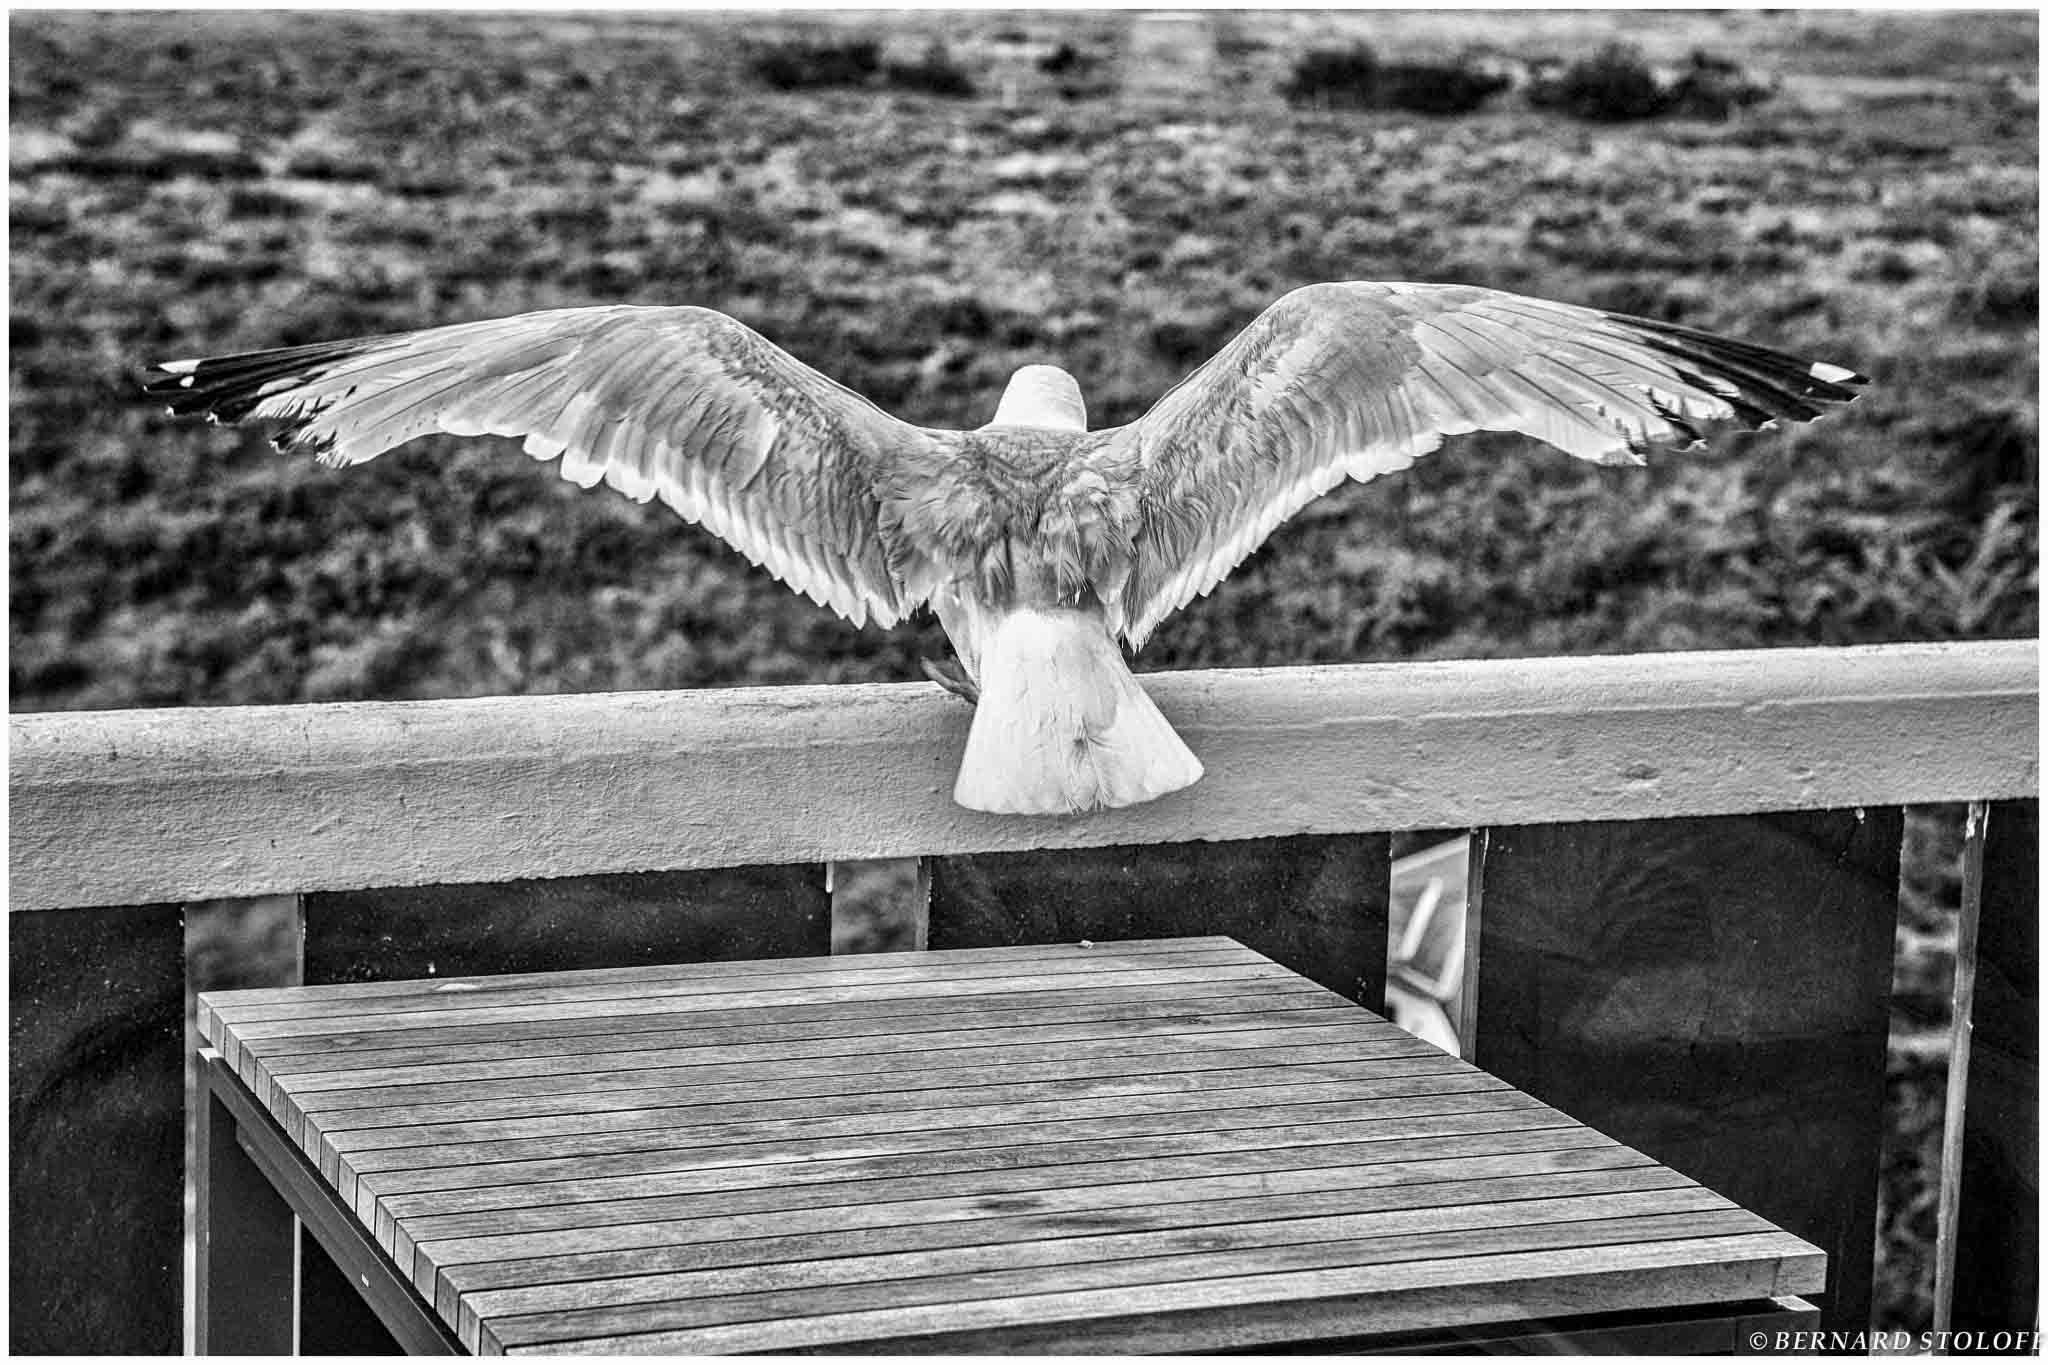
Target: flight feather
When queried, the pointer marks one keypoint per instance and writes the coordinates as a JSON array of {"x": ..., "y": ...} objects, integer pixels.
[
  {"x": 1355, "y": 380},
  {"x": 681, "y": 404}
]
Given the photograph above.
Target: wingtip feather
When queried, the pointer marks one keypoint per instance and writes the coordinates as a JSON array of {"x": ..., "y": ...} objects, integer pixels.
[{"x": 1835, "y": 374}]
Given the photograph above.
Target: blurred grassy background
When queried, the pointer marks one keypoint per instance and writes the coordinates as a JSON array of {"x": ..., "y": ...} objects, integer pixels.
[
  {"x": 1110, "y": 193},
  {"x": 198, "y": 183}
]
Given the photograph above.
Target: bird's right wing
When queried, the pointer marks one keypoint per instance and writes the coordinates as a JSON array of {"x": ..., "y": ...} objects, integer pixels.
[
  {"x": 1355, "y": 380},
  {"x": 684, "y": 404}
]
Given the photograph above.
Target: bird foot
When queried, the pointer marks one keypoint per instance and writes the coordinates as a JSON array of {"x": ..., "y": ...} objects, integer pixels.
[{"x": 953, "y": 677}]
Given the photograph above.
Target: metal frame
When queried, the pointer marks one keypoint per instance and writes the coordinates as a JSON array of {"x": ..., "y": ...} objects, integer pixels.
[{"x": 256, "y": 1190}]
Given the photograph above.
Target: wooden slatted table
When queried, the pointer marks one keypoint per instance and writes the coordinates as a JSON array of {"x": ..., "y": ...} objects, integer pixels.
[{"x": 1152, "y": 1146}]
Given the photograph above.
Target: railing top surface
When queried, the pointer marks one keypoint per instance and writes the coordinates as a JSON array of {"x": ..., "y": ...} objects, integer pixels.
[{"x": 129, "y": 807}]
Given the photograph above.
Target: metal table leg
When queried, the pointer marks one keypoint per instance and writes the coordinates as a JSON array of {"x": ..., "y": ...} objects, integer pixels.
[{"x": 256, "y": 1188}]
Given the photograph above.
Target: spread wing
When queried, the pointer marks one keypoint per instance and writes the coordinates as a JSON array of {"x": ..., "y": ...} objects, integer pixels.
[
  {"x": 683, "y": 404},
  {"x": 1356, "y": 380}
]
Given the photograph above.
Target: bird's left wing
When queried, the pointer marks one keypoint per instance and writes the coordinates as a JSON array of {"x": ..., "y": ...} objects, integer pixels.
[
  {"x": 684, "y": 404},
  {"x": 1355, "y": 380}
]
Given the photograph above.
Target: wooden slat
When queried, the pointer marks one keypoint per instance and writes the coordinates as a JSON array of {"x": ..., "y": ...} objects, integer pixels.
[
  {"x": 644, "y": 1174},
  {"x": 345, "y": 1154},
  {"x": 895, "y": 1013},
  {"x": 1714, "y": 992},
  {"x": 939, "y": 1086},
  {"x": 1028, "y": 1230},
  {"x": 1172, "y": 1109},
  {"x": 923, "y": 1215},
  {"x": 831, "y": 979},
  {"x": 561, "y": 1295},
  {"x": 1161, "y": 1174},
  {"x": 400, "y": 1168},
  {"x": 1421, "y": 1072},
  {"x": 839, "y": 1075},
  {"x": 596, "y": 1325},
  {"x": 545, "y": 1062},
  {"x": 1174, "y": 1000},
  {"x": 402, "y": 1225},
  {"x": 1403, "y": 1295},
  {"x": 354, "y": 1131},
  {"x": 718, "y": 975},
  {"x": 684, "y": 1002},
  {"x": 1130, "y": 1166},
  {"x": 145, "y": 806}
]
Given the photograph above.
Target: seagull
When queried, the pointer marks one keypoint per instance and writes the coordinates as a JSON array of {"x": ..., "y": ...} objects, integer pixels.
[{"x": 1043, "y": 547}]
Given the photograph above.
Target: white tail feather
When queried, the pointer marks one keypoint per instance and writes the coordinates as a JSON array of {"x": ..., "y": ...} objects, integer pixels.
[{"x": 1062, "y": 726}]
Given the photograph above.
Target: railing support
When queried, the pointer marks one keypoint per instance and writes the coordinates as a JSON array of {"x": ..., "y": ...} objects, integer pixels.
[
  {"x": 1962, "y": 1000},
  {"x": 246, "y": 1279},
  {"x": 1992, "y": 1142}
]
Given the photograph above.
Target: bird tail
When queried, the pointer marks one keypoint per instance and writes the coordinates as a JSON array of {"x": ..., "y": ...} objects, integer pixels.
[{"x": 1061, "y": 725}]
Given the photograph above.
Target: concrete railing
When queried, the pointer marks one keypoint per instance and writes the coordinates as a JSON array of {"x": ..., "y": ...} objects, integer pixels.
[{"x": 126, "y": 807}]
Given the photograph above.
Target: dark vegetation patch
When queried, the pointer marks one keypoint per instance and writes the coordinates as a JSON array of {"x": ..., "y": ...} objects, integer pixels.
[
  {"x": 1618, "y": 84},
  {"x": 1067, "y": 60},
  {"x": 1357, "y": 78},
  {"x": 818, "y": 64},
  {"x": 1077, "y": 72},
  {"x": 932, "y": 73},
  {"x": 1614, "y": 84},
  {"x": 859, "y": 63}
]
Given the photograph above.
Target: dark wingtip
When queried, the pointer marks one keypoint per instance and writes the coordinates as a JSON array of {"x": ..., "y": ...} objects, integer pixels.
[
  {"x": 228, "y": 388},
  {"x": 175, "y": 384},
  {"x": 166, "y": 379},
  {"x": 1771, "y": 386}
]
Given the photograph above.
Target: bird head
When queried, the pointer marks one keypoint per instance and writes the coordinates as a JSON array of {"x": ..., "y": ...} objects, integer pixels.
[{"x": 1042, "y": 396}]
